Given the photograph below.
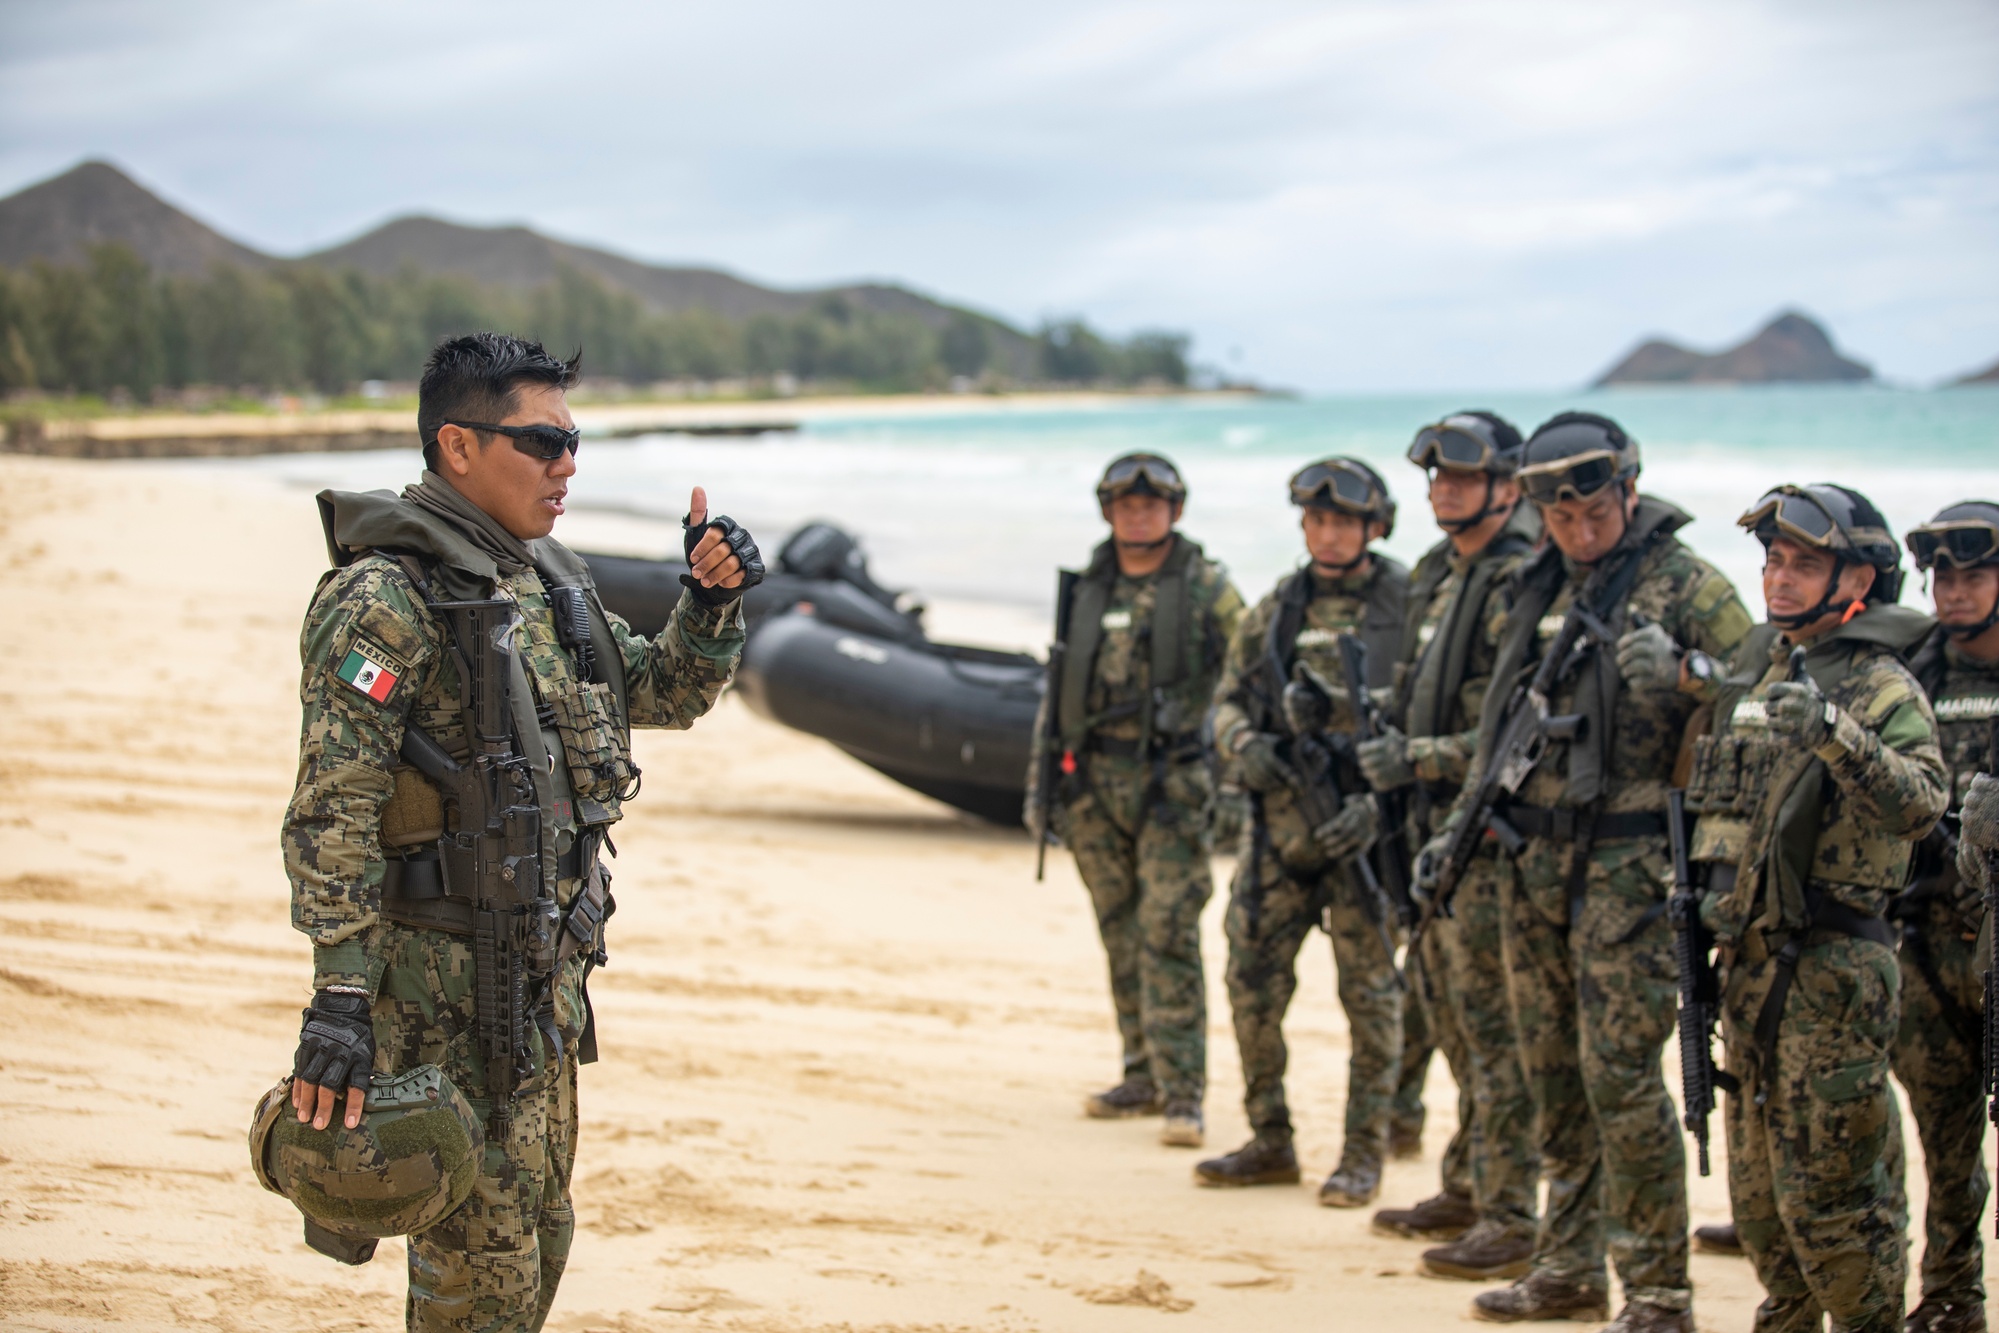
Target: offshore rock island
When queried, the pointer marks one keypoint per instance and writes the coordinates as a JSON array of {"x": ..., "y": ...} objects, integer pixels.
[{"x": 1793, "y": 348}]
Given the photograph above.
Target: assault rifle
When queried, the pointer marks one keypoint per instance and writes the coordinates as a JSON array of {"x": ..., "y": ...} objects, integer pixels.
[
  {"x": 1315, "y": 765},
  {"x": 1523, "y": 740},
  {"x": 1054, "y": 762},
  {"x": 1368, "y": 724},
  {"x": 494, "y": 821},
  {"x": 1700, "y": 988}
]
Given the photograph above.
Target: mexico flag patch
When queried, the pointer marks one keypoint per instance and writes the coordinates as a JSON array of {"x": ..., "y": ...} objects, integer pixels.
[{"x": 371, "y": 671}]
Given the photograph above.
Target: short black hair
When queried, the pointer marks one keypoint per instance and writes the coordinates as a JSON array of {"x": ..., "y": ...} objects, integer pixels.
[{"x": 477, "y": 377}]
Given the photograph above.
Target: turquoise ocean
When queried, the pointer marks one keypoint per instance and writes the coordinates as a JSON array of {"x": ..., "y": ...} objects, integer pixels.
[{"x": 983, "y": 505}]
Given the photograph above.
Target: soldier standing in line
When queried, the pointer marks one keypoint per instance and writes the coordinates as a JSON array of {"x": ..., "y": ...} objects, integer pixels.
[
  {"x": 1293, "y": 875},
  {"x": 1457, "y": 613},
  {"x": 1588, "y": 949},
  {"x": 1821, "y": 773},
  {"x": 1937, "y": 1052},
  {"x": 382, "y": 890},
  {"x": 1150, "y": 622}
]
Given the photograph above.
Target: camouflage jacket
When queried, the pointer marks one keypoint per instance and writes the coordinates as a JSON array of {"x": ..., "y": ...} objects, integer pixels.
[
  {"x": 1964, "y": 693},
  {"x": 1623, "y": 758},
  {"x": 1372, "y": 604},
  {"x": 1841, "y": 819},
  {"x": 1457, "y": 616},
  {"x": 376, "y": 659}
]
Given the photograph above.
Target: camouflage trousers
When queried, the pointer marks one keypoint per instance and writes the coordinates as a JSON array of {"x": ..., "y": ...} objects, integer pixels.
[
  {"x": 1593, "y": 1000},
  {"x": 493, "y": 1264},
  {"x": 1460, "y": 977},
  {"x": 1407, "y": 1114},
  {"x": 1814, "y": 1176},
  {"x": 1936, "y": 1058},
  {"x": 1140, "y": 843},
  {"x": 1270, "y": 913}
]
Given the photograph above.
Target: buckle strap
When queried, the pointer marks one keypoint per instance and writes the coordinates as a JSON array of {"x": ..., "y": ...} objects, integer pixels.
[{"x": 1568, "y": 824}]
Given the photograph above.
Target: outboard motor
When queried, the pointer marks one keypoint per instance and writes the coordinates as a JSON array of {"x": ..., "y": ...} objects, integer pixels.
[{"x": 821, "y": 551}]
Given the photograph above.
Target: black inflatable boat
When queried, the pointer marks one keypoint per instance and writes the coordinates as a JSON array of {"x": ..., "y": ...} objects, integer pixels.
[{"x": 833, "y": 653}]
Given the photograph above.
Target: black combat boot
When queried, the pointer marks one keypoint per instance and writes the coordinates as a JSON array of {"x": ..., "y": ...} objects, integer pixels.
[
  {"x": 1444, "y": 1216},
  {"x": 1133, "y": 1097},
  {"x": 1489, "y": 1252},
  {"x": 1355, "y": 1185},
  {"x": 1184, "y": 1127},
  {"x": 1934, "y": 1316},
  {"x": 1543, "y": 1296},
  {"x": 1267, "y": 1159},
  {"x": 1645, "y": 1317},
  {"x": 1720, "y": 1239}
]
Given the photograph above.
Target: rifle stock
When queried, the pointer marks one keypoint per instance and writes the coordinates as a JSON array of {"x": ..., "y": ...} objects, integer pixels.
[{"x": 1700, "y": 991}]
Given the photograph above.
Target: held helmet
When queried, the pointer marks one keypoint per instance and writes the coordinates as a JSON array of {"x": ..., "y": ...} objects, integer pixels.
[
  {"x": 1469, "y": 441},
  {"x": 411, "y": 1160},
  {"x": 1573, "y": 455},
  {"x": 1964, "y": 536},
  {"x": 1141, "y": 474},
  {"x": 1830, "y": 518},
  {"x": 1346, "y": 485}
]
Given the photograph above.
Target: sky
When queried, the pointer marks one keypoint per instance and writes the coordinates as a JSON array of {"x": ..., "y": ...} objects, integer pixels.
[{"x": 1336, "y": 197}]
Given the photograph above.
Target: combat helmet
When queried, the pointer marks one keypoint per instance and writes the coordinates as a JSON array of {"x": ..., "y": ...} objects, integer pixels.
[
  {"x": 1835, "y": 519},
  {"x": 410, "y": 1162},
  {"x": 1573, "y": 455},
  {"x": 1473, "y": 440},
  {"x": 1141, "y": 474},
  {"x": 1964, "y": 536},
  {"x": 1346, "y": 485}
]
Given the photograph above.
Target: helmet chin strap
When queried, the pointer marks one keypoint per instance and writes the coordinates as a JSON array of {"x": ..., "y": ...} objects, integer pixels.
[
  {"x": 1826, "y": 606},
  {"x": 1972, "y": 631},
  {"x": 1124, "y": 545},
  {"x": 1340, "y": 570},
  {"x": 1485, "y": 511}
]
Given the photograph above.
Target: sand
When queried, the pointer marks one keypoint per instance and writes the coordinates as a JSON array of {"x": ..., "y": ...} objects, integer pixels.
[{"x": 845, "y": 1032}]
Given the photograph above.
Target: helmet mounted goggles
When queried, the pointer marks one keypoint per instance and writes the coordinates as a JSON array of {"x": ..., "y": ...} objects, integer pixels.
[
  {"x": 1575, "y": 455},
  {"x": 1963, "y": 536},
  {"x": 1141, "y": 474},
  {"x": 1840, "y": 522},
  {"x": 1346, "y": 485},
  {"x": 1466, "y": 443}
]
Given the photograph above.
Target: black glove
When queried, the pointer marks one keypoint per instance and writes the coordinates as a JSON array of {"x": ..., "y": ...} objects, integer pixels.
[
  {"x": 336, "y": 1045},
  {"x": 737, "y": 538}
]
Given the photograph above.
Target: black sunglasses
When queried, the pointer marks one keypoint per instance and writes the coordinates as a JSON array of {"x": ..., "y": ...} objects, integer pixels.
[{"x": 547, "y": 443}]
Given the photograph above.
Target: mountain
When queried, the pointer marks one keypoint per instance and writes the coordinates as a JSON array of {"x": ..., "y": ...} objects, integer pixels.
[
  {"x": 1792, "y": 348},
  {"x": 94, "y": 203},
  {"x": 58, "y": 219},
  {"x": 1989, "y": 375}
]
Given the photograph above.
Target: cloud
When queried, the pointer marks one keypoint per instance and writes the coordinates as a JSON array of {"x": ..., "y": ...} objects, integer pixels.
[{"x": 1367, "y": 195}]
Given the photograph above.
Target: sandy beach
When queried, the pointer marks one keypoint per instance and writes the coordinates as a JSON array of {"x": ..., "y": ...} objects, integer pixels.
[{"x": 845, "y": 1033}]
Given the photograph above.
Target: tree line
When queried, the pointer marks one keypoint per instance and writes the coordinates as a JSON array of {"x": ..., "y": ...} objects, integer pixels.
[{"x": 112, "y": 325}]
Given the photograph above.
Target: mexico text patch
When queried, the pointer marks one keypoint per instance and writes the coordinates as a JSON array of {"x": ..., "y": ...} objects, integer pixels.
[{"x": 370, "y": 671}]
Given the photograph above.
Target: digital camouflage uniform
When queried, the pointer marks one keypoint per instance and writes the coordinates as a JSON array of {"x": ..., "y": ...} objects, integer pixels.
[
  {"x": 1457, "y": 613},
  {"x": 1817, "y": 842},
  {"x": 1588, "y": 949},
  {"x": 1284, "y": 887},
  {"x": 1937, "y": 1048},
  {"x": 1135, "y": 808},
  {"x": 493, "y": 1264}
]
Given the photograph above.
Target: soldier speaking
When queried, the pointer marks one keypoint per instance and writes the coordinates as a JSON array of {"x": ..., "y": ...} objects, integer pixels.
[{"x": 464, "y": 753}]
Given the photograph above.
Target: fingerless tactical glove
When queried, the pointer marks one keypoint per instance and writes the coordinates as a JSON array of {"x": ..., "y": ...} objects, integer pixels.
[
  {"x": 336, "y": 1044},
  {"x": 737, "y": 538}
]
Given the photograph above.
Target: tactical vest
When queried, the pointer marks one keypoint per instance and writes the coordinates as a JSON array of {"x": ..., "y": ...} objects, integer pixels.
[
  {"x": 1762, "y": 803},
  {"x": 1964, "y": 694},
  {"x": 1438, "y": 664},
  {"x": 1173, "y": 698},
  {"x": 1383, "y": 613}
]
